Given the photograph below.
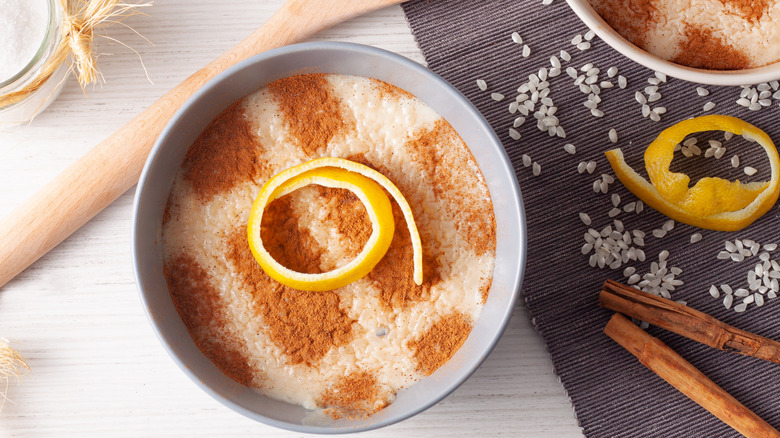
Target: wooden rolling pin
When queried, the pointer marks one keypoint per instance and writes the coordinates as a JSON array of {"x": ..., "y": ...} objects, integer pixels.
[{"x": 112, "y": 167}]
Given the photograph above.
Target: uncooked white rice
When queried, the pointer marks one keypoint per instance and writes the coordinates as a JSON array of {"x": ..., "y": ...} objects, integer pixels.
[
  {"x": 714, "y": 291},
  {"x": 728, "y": 300}
]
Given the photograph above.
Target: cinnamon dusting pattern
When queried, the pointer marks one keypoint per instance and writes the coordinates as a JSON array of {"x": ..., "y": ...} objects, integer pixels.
[
  {"x": 199, "y": 305},
  {"x": 357, "y": 395},
  {"x": 437, "y": 345},
  {"x": 313, "y": 114},
  {"x": 445, "y": 170},
  {"x": 630, "y": 18},
  {"x": 237, "y": 161},
  {"x": 703, "y": 49},
  {"x": 305, "y": 325}
]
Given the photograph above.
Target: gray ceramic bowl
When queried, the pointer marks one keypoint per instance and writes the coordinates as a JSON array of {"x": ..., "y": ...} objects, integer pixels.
[{"x": 352, "y": 59}]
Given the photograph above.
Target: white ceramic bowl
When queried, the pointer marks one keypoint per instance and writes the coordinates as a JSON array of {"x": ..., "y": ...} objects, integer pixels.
[
  {"x": 342, "y": 58},
  {"x": 593, "y": 20}
]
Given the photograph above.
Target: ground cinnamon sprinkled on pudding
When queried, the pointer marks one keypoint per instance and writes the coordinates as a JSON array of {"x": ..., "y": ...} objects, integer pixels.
[
  {"x": 237, "y": 162},
  {"x": 710, "y": 34},
  {"x": 349, "y": 215},
  {"x": 346, "y": 351},
  {"x": 485, "y": 288},
  {"x": 394, "y": 274},
  {"x": 703, "y": 49},
  {"x": 312, "y": 112},
  {"x": 387, "y": 91},
  {"x": 752, "y": 10},
  {"x": 631, "y": 18},
  {"x": 440, "y": 166},
  {"x": 437, "y": 345},
  {"x": 305, "y": 325},
  {"x": 286, "y": 239},
  {"x": 199, "y": 304},
  {"x": 354, "y": 395}
]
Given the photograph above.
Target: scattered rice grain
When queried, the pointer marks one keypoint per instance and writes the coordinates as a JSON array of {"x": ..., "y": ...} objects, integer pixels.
[
  {"x": 613, "y": 135},
  {"x": 583, "y": 46}
]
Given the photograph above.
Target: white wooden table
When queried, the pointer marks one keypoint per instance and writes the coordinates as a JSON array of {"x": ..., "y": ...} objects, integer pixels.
[{"x": 97, "y": 366}]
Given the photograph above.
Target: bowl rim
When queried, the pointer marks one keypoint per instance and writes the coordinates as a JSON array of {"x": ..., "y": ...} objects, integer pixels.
[
  {"x": 751, "y": 76},
  {"x": 517, "y": 207}
]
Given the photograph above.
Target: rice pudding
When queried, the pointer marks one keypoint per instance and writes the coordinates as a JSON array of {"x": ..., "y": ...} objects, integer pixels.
[
  {"x": 710, "y": 34},
  {"x": 346, "y": 351}
]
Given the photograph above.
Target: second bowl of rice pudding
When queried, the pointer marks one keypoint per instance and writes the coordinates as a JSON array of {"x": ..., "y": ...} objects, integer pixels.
[
  {"x": 372, "y": 352},
  {"x": 717, "y": 42}
]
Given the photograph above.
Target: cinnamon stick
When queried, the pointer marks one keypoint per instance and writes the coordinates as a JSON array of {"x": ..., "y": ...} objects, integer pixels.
[
  {"x": 685, "y": 321},
  {"x": 679, "y": 373}
]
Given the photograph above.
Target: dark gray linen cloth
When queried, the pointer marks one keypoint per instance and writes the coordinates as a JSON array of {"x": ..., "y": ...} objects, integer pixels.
[{"x": 613, "y": 395}]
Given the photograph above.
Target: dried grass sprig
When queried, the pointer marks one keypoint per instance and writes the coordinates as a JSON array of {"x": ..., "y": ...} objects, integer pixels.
[
  {"x": 80, "y": 19},
  {"x": 11, "y": 365}
]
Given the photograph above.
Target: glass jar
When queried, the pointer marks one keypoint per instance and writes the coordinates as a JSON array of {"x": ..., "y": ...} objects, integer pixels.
[{"x": 24, "y": 110}]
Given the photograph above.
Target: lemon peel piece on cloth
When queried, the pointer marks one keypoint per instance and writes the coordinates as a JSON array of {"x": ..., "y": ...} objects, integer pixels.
[
  {"x": 367, "y": 184},
  {"x": 712, "y": 203}
]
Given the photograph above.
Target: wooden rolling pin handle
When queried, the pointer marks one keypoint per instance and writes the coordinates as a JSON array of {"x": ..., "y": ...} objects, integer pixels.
[{"x": 112, "y": 167}]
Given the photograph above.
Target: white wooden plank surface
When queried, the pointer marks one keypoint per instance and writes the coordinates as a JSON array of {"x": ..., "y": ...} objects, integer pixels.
[{"x": 97, "y": 367}]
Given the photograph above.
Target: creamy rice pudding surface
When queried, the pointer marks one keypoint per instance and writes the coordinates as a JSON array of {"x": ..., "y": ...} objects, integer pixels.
[
  {"x": 711, "y": 34},
  {"x": 349, "y": 350}
]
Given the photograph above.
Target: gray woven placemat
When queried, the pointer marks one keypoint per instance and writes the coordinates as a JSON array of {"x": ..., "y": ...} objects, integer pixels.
[{"x": 613, "y": 395}]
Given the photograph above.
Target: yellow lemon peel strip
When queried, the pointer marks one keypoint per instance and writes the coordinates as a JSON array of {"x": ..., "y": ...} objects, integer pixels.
[
  {"x": 367, "y": 185},
  {"x": 712, "y": 203}
]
